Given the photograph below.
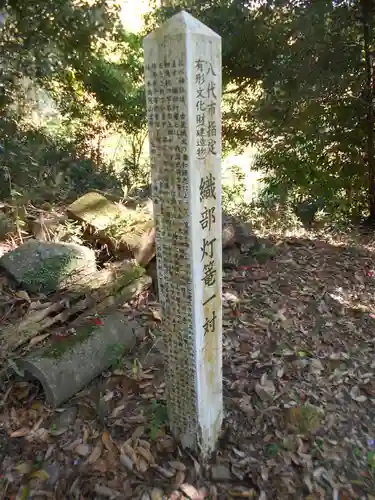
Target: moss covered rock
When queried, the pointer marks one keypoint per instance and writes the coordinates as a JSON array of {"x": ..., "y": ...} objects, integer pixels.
[
  {"x": 67, "y": 364},
  {"x": 45, "y": 267},
  {"x": 94, "y": 209},
  {"x": 120, "y": 228}
]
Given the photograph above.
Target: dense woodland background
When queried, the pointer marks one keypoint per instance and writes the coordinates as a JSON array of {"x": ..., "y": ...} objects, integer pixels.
[{"x": 298, "y": 79}]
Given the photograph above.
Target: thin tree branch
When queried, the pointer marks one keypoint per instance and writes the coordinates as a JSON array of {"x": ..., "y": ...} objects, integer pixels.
[{"x": 239, "y": 89}]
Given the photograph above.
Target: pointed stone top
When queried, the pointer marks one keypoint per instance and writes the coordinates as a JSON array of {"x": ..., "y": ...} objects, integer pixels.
[{"x": 180, "y": 23}]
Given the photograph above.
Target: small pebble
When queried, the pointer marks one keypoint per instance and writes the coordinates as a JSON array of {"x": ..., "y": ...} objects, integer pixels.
[{"x": 221, "y": 473}]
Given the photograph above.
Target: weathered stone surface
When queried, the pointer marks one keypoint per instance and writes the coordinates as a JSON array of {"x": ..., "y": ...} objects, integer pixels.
[
  {"x": 129, "y": 237},
  {"x": 235, "y": 232},
  {"x": 146, "y": 250},
  {"x": 221, "y": 473},
  {"x": 94, "y": 209},
  {"x": 65, "y": 419},
  {"x": 46, "y": 267},
  {"x": 121, "y": 228},
  {"x": 67, "y": 365}
]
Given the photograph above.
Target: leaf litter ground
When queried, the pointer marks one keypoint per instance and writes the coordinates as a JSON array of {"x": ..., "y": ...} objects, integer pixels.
[{"x": 299, "y": 396}]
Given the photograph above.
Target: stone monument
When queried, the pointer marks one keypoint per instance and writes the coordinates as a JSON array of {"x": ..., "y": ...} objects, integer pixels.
[{"x": 183, "y": 90}]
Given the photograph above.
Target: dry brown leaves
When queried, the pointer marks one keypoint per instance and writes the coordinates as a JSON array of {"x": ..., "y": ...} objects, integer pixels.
[{"x": 299, "y": 359}]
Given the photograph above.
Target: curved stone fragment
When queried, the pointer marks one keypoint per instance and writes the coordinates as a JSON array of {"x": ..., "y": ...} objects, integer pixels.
[{"x": 67, "y": 364}]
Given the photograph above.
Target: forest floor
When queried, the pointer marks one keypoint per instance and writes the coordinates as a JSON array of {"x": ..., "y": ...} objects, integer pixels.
[{"x": 299, "y": 395}]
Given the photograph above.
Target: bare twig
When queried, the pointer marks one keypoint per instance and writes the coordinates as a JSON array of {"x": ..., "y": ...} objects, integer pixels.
[{"x": 238, "y": 89}]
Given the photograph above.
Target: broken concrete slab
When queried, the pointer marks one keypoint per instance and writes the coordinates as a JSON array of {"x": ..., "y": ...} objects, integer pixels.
[
  {"x": 45, "y": 267},
  {"x": 67, "y": 365},
  {"x": 96, "y": 210},
  {"x": 120, "y": 228},
  {"x": 131, "y": 234}
]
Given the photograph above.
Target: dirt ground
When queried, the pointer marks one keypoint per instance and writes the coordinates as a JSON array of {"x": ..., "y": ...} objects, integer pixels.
[{"x": 299, "y": 394}]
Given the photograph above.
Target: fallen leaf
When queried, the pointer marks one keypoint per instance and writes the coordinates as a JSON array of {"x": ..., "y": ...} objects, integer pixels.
[
  {"x": 164, "y": 472},
  {"x": 38, "y": 305},
  {"x": 321, "y": 474},
  {"x": 20, "y": 432},
  {"x": 38, "y": 338},
  {"x": 83, "y": 449},
  {"x": 191, "y": 492},
  {"x": 355, "y": 394},
  {"x": 145, "y": 496},
  {"x": 101, "y": 466},
  {"x": 24, "y": 468},
  {"x": 139, "y": 431},
  {"x": 245, "y": 347},
  {"x": 129, "y": 450},
  {"x": 179, "y": 479},
  {"x": 316, "y": 366},
  {"x": 157, "y": 494},
  {"x": 144, "y": 444},
  {"x": 95, "y": 454},
  {"x": 142, "y": 465},
  {"x": 156, "y": 314},
  {"x": 177, "y": 465},
  {"x": 175, "y": 495},
  {"x": 127, "y": 462},
  {"x": 265, "y": 390},
  {"x": 106, "y": 440},
  {"x": 106, "y": 492},
  {"x": 346, "y": 495},
  {"x": 305, "y": 419},
  {"x": 146, "y": 454},
  {"x": 22, "y": 294},
  {"x": 221, "y": 473},
  {"x": 23, "y": 493},
  {"x": 117, "y": 411},
  {"x": 243, "y": 493},
  {"x": 40, "y": 474},
  {"x": 280, "y": 316}
]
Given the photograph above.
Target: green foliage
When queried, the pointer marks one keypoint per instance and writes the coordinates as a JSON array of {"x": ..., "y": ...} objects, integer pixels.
[
  {"x": 159, "y": 418},
  {"x": 115, "y": 353},
  {"x": 233, "y": 191},
  {"x": 118, "y": 87},
  {"x": 58, "y": 348},
  {"x": 7, "y": 226},
  {"x": 76, "y": 58},
  {"x": 296, "y": 86},
  {"x": 39, "y": 167},
  {"x": 371, "y": 462},
  {"x": 46, "y": 36}
]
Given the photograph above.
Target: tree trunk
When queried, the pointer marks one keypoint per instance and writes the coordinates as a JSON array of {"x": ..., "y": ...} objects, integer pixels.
[{"x": 367, "y": 14}]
